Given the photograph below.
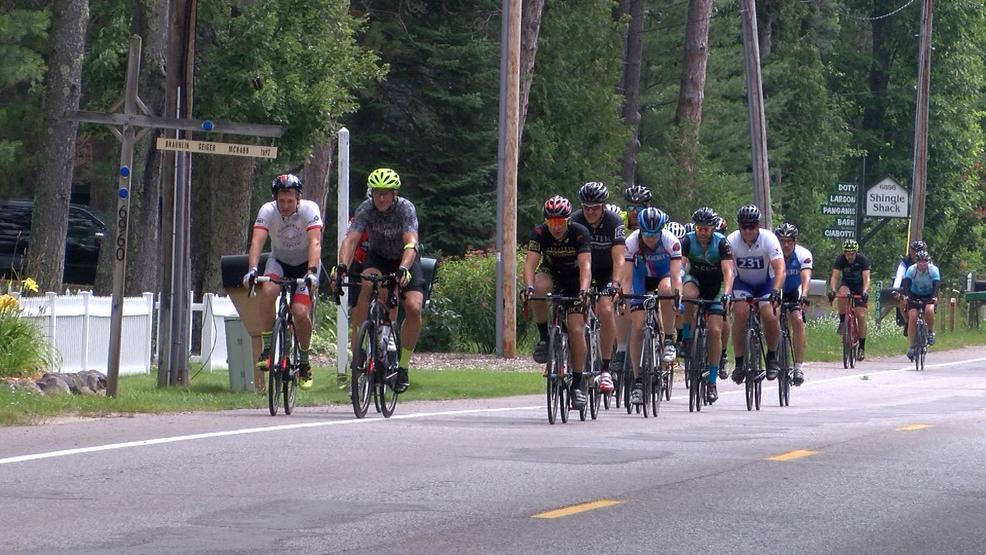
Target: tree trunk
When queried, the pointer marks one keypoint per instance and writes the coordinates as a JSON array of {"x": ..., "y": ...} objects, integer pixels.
[
  {"x": 530, "y": 29},
  {"x": 46, "y": 253},
  {"x": 622, "y": 11},
  {"x": 688, "y": 116},
  {"x": 144, "y": 259},
  {"x": 317, "y": 173},
  {"x": 631, "y": 84},
  {"x": 221, "y": 216}
]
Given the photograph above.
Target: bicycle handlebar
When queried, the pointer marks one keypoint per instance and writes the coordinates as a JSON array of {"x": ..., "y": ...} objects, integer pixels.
[{"x": 298, "y": 282}]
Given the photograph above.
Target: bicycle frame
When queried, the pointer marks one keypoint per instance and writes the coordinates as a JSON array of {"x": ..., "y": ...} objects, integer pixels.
[
  {"x": 755, "y": 352},
  {"x": 653, "y": 374},
  {"x": 282, "y": 374},
  {"x": 696, "y": 371},
  {"x": 558, "y": 380},
  {"x": 920, "y": 331},
  {"x": 850, "y": 335},
  {"x": 785, "y": 352}
]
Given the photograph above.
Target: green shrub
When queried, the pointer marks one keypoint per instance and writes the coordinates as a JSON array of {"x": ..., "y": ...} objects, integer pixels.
[
  {"x": 462, "y": 315},
  {"x": 24, "y": 351}
]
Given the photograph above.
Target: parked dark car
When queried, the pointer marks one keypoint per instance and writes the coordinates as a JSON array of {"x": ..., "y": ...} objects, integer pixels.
[{"x": 85, "y": 232}]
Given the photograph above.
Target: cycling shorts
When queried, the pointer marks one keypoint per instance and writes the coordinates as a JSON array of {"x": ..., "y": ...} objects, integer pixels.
[
  {"x": 277, "y": 269},
  {"x": 386, "y": 266}
]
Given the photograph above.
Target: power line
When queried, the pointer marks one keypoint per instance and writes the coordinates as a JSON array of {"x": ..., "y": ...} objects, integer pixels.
[{"x": 884, "y": 16}]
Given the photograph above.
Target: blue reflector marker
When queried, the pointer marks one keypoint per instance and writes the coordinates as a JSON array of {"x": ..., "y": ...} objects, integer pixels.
[{"x": 208, "y": 125}]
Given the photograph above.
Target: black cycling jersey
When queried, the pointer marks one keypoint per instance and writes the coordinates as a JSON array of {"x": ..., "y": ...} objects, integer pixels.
[
  {"x": 604, "y": 236},
  {"x": 559, "y": 256},
  {"x": 704, "y": 263},
  {"x": 852, "y": 274}
]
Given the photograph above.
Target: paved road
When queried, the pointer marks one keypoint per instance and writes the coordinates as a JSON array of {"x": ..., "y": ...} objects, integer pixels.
[{"x": 877, "y": 460}]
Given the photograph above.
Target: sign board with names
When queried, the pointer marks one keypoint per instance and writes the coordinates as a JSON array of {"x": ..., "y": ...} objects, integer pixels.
[
  {"x": 887, "y": 199},
  {"x": 207, "y": 147},
  {"x": 839, "y": 233}
]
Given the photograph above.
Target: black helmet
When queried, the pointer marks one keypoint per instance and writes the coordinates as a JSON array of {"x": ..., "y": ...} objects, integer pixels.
[
  {"x": 748, "y": 215},
  {"x": 593, "y": 192},
  {"x": 787, "y": 230},
  {"x": 922, "y": 256},
  {"x": 919, "y": 245},
  {"x": 704, "y": 216},
  {"x": 285, "y": 182},
  {"x": 637, "y": 194}
]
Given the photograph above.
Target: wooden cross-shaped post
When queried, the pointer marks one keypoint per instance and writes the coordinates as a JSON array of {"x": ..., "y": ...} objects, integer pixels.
[{"x": 124, "y": 126}]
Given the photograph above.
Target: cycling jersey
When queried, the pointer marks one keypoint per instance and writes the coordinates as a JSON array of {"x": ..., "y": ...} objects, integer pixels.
[
  {"x": 560, "y": 256},
  {"x": 289, "y": 235},
  {"x": 922, "y": 284},
  {"x": 799, "y": 260},
  {"x": 386, "y": 229},
  {"x": 753, "y": 261},
  {"x": 905, "y": 263},
  {"x": 852, "y": 274},
  {"x": 705, "y": 263},
  {"x": 605, "y": 235},
  {"x": 651, "y": 263}
]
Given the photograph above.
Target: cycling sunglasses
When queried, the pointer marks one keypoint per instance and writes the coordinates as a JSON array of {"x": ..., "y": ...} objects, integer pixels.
[{"x": 635, "y": 207}]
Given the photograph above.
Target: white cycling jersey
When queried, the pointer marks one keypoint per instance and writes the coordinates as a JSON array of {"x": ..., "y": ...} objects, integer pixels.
[
  {"x": 289, "y": 236},
  {"x": 753, "y": 261}
]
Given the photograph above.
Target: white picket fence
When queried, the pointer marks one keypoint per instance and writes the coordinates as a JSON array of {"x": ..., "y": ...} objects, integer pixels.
[{"x": 78, "y": 327}]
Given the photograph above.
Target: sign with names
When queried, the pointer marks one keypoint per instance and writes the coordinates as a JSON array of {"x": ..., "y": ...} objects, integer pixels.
[
  {"x": 887, "y": 199},
  {"x": 208, "y": 147}
]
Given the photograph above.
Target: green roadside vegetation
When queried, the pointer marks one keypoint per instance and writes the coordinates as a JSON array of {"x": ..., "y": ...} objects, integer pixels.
[{"x": 209, "y": 391}]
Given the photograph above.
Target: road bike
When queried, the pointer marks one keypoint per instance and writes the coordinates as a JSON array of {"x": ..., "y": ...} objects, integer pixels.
[
  {"x": 557, "y": 372},
  {"x": 696, "y": 365},
  {"x": 284, "y": 355},
  {"x": 593, "y": 360},
  {"x": 374, "y": 366},
  {"x": 653, "y": 369},
  {"x": 754, "y": 353},
  {"x": 785, "y": 354},
  {"x": 850, "y": 333},
  {"x": 920, "y": 332}
]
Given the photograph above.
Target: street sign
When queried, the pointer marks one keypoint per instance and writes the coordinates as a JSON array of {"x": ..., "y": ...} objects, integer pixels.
[
  {"x": 841, "y": 210},
  {"x": 208, "y": 147},
  {"x": 842, "y": 198},
  {"x": 887, "y": 199},
  {"x": 840, "y": 233}
]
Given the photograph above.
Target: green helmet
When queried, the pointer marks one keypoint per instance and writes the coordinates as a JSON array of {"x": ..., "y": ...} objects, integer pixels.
[
  {"x": 850, "y": 245},
  {"x": 383, "y": 178}
]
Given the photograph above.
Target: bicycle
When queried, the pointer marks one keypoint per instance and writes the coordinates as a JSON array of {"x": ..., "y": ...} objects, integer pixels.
[
  {"x": 651, "y": 373},
  {"x": 374, "y": 367},
  {"x": 850, "y": 333},
  {"x": 785, "y": 355},
  {"x": 696, "y": 366},
  {"x": 558, "y": 378},
  {"x": 754, "y": 354},
  {"x": 920, "y": 332},
  {"x": 593, "y": 360},
  {"x": 284, "y": 365}
]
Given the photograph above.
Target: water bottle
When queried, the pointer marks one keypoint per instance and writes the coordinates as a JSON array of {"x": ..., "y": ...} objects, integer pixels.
[{"x": 383, "y": 337}]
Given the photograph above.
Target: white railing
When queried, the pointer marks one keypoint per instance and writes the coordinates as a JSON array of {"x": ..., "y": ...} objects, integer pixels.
[{"x": 78, "y": 328}]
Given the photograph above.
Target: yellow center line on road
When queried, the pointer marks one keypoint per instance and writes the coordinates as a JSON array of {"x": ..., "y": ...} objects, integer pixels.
[
  {"x": 580, "y": 508},
  {"x": 913, "y": 427},
  {"x": 792, "y": 455}
]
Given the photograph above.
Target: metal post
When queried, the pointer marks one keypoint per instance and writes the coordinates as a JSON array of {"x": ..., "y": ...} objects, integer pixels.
[
  {"x": 122, "y": 216},
  {"x": 342, "y": 224}
]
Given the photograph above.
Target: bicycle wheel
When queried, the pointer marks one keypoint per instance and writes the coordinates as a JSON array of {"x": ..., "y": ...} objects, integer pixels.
[
  {"x": 595, "y": 399},
  {"x": 274, "y": 388},
  {"x": 364, "y": 360},
  {"x": 750, "y": 364},
  {"x": 757, "y": 392},
  {"x": 921, "y": 337},
  {"x": 846, "y": 345},
  {"x": 565, "y": 376},
  {"x": 784, "y": 362},
  {"x": 290, "y": 370}
]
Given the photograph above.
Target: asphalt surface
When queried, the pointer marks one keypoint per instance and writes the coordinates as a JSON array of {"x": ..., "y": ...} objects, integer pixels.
[{"x": 880, "y": 459}]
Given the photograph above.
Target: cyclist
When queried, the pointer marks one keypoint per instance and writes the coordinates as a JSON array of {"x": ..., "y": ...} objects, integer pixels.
[
  {"x": 854, "y": 269},
  {"x": 391, "y": 222},
  {"x": 921, "y": 283},
  {"x": 797, "y": 281},
  {"x": 654, "y": 254},
  {"x": 608, "y": 246},
  {"x": 637, "y": 198},
  {"x": 559, "y": 259},
  {"x": 678, "y": 230},
  {"x": 710, "y": 277},
  {"x": 723, "y": 228},
  {"x": 294, "y": 226},
  {"x": 759, "y": 271},
  {"x": 905, "y": 263}
]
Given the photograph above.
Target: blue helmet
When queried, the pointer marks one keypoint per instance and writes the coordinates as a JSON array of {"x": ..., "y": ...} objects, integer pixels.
[{"x": 651, "y": 220}]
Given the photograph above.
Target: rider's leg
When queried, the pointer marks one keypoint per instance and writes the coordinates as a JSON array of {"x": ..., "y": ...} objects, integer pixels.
[
  {"x": 929, "y": 317},
  {"x": 689, "y": 291},
  {"x": 543, "y": 285},
  {"x": 362, "y": 307},
  {"x": 411, "y": 328},
  {"x": 797, "y": 322},
  {"x": 636, "y": 339},
  {"x": 843, "y": 303},
  {"x": 668, "y": 310},
  {"x": 715, "y": 325},
  {"x": 607, "y": 328}
]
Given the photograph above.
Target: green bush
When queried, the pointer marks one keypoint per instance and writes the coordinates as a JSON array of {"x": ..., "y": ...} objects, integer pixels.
[
  {"x": 462, "y": 315},
  {"x": 24, "y": 351}
]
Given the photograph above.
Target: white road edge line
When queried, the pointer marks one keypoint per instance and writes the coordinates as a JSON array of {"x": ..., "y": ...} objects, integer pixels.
[{"x": 176, "y": 439}]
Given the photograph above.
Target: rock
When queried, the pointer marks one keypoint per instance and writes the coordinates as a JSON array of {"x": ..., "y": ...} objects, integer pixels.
[
  {"x": 52, "y": 384},
  {"x": 23, "y": 385},
  {"x": 95, "y": 380}
]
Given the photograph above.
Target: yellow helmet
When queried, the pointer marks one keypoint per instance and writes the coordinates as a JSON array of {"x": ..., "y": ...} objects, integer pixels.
[{"x": 383, "y": 178}]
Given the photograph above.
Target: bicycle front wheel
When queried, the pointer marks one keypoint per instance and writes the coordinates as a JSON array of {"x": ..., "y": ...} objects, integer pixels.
[
  {"x": 922, "y": 344},
  {"x": 274, "y": 387},
  {"x": 363, "y": 363},
  {"x": 290, "y": 372}
]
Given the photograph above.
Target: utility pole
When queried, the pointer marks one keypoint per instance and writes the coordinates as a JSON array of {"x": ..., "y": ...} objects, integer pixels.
[
  {"x": 758, "y": 122},
  {"x": 506, "y": 206},
  {"x": 919, "y": 176}
]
